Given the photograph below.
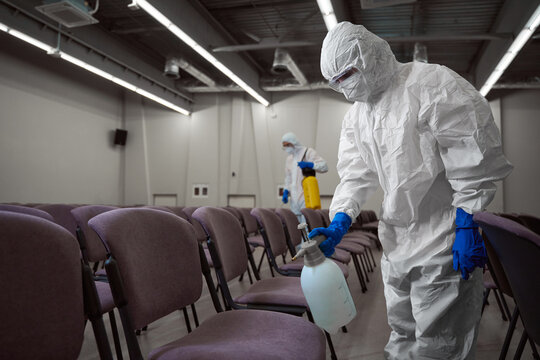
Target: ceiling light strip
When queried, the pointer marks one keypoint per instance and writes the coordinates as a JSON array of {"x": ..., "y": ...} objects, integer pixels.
[
  {"x": 152, "y": 11},
  {"x": 92, "y": 69},
  {"x": 327, "y": 11},
  {"x": 518, "y": 43}
]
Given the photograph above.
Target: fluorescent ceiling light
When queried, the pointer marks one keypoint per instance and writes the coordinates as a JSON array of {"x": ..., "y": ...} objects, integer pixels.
[
  {"x": 328, "y": 14},
  {"x": 152, "y": 11},
  {"x": 92, "y": 69},
  {"x": 512, "y": 51}
]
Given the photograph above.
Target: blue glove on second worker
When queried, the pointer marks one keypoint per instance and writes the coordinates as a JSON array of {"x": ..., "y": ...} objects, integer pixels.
[
  {"x": 305, "y": 164},
  {"x": 285, "y": 197},
  {"x": 338, "y": 227},
  {"x": 469, "y": 251}
]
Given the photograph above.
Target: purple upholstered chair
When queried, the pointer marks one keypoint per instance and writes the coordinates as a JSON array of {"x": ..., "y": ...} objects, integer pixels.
[
  {"x": 27, "y": 210},
  {"x": 357, "y": 251},
  {"x": 275, "y": 240},
  {"x": 150, "y": 287},
  {"x": 518, "y": 250},
  {"x": 92, "y": 247},
  {"x": 226, "y": 245},
  {"x": 44, "y": 296},
  {"x": 61, "y": 214}
]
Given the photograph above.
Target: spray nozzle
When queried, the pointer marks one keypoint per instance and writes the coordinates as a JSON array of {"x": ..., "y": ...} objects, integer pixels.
[{"x": 310, "y": 248}]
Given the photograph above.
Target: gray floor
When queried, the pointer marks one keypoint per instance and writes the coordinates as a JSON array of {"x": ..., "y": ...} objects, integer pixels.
[{"x": 366, "y": 338}]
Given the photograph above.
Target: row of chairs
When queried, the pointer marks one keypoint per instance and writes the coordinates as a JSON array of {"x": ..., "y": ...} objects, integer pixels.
[
  {"x": 95, "y": 249},
  {"x": 513, "y": 246},
  {"x": 153, "y": 259}
]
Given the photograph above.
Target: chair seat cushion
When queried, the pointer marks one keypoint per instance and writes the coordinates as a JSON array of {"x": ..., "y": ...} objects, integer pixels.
[
  {"x": 256, "y": 240},
  {"x": 276, "y": 291},
  {"x": 248, "y": 334},
  {"x": 101, "y": 272},
  {"x": 298, "y": 264},
  {"x": 105, "y": 296},
  {"x": 342, "y": 256},
  {"x": 351, "y": 247},
  {"x": 360, "y": 239}
]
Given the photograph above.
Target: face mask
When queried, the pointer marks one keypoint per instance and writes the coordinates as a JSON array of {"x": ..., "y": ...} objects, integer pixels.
[
  {"x": 354, "y": 88},
  {"x": 289, "y": 150}
]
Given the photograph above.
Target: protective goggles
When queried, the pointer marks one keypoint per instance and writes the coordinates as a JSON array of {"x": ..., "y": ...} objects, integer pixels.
[{"x": 335, "y": 82}]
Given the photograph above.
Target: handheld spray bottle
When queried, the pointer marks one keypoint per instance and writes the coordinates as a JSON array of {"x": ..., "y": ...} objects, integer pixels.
[{"x": 324, "y": 286}]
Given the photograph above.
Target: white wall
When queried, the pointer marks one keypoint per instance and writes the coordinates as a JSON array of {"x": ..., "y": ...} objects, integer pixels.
[
  {"x": 521, "y": 131},
  {"x": 226, "y": 134},
  {"x": 55, "y": 130}
]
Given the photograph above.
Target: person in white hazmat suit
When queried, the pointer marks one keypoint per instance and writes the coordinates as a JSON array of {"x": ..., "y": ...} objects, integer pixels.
[
  {"x": 428, "y": 138},
  {"x": 299, "y": 157}
]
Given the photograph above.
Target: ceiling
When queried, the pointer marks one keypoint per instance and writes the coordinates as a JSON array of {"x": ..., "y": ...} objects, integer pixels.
[{"x": 457, "y": 33}]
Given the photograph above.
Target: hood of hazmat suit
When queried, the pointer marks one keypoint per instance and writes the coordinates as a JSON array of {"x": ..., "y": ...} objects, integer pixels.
[
  {"x": 428, "y": 138},
  {"x": 293, "y": 174}
]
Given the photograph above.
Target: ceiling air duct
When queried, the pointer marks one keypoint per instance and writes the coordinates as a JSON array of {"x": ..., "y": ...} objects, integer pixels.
[
  {"x": 174, "y": 64},
  {"x": 283, "y": 62},
  {"x": 69, "y": 13}
]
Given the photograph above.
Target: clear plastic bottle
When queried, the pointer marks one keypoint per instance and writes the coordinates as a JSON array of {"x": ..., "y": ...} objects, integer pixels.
[{"x": 325, "y": 288}]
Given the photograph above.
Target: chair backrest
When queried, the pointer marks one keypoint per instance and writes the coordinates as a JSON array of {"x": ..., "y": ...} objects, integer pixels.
[
  {"x": 291, "y": 225},
  {"x": 532, "y": 222},
  {"x": 237, "y": 214},
  {"x": 95, "y": 250},
  {"x": 272, "y": 228},
  {"x": 512, "y": 217},
  {"x": 325, "y": 213},
  {"x": 61, "y": 214},
  {"x": 27, "y": 210},
  {"x": 199, "y": 231},
  {"x": 313, "y": 218},
  {"x": 42, "y": 293},
  {"x": 250, "y": 223},
  {"x": 227, "y": 237},
  {"x": 177, "y": 210},
  {"x": 158, "y": 259},
  {"x": 372, "y": 215},
  {"x": 518, "y": 249},
  {"x": 364, "y": 216},
  {"x": 160, "y": 208}
]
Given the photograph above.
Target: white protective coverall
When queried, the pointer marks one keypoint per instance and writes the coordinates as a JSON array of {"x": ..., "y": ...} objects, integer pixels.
[
  {"x": 293, "y": 173},
  {"x": 428, "y": 138}
]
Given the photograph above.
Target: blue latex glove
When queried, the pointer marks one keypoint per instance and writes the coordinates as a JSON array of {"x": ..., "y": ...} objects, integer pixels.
[
  {"x": 285, "y": 197},
  {"x": 339, "y": 227},
  {"x": 469, "y": 251},
  {"x": 305, "y": 164}
]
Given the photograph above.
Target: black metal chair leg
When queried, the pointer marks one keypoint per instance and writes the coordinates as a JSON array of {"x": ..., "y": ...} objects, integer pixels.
[
  {"x": 359, "y": 273},
  {"x": 249, "y": 275},
  {"x": 195, "y": 317},
  {"x": 503, "y": 313},
  {"x": 509, "y": 334},
  {"x": 521, "y": 346},
  {"x": 484, "y": 300},
  {"x": 330, "y": 345},
  {"x": 362, "y": 262},
  {"x": 116, "y": 337},
  {"x": 186, "y": 318},
  {"x": 372, "y": 258},
  {"x": 261, "y": 260},
  {"x": 344, "y": 329}
]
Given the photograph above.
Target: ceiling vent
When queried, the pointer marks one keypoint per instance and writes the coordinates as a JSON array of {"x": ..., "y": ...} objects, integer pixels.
[
  {"x": 69, "y": 13},
  {"x": 372, "y": 4}
]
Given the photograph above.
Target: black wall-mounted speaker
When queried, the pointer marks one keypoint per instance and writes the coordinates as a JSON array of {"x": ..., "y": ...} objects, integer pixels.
[{"x": 120, "y": 137}]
